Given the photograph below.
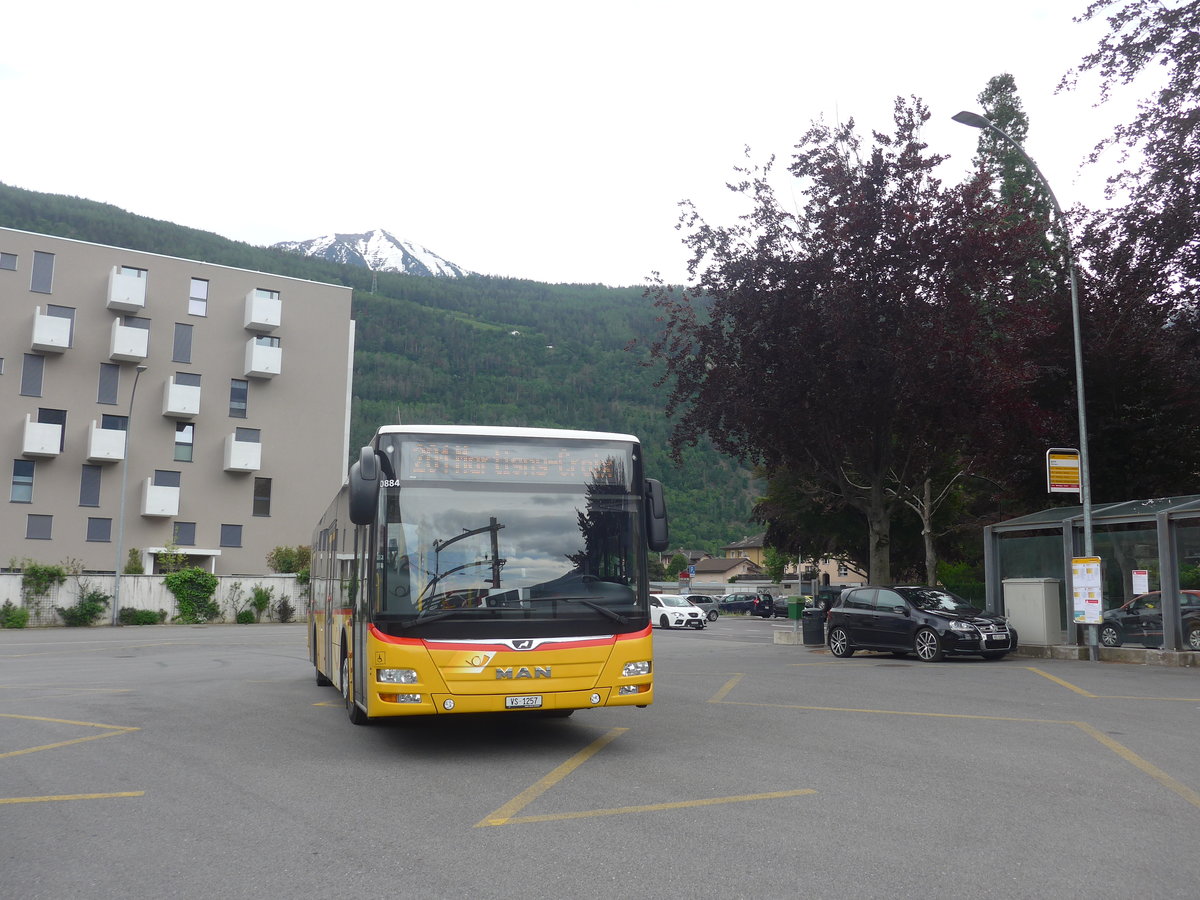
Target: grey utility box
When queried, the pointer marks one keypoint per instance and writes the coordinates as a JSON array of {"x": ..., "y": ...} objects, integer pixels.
[{"x": 1032, "y": 607}]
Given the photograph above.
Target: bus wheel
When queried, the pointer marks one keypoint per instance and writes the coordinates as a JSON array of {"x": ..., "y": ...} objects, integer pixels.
[
  {"x": 322, "y": 681},
  {"x": 357, "y": 716}
]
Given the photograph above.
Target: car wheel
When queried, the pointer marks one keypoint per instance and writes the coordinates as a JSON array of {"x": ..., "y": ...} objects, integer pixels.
[
  {"x": 1192, "y": 638},
  {"x": 927, "y": 645},
  {"x": 1110, "y": 636},
  {"x": 664, "y": 622},
  {"x": 839, "y": 643},
  {"x": 712, "y": 615},
  {"x": 995, "y": 654}
]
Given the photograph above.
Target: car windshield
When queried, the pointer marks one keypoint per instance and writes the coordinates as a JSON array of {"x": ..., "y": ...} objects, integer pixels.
[
  {"x": 674, "y": 601},
  {"x": 934, "y": 600}
]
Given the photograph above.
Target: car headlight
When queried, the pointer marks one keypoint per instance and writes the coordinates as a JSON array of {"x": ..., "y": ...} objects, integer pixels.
[
  {"x": 396, "y": 676},
  {"x": 631, "y": 669},
  {"x": 957, "y": 625}
]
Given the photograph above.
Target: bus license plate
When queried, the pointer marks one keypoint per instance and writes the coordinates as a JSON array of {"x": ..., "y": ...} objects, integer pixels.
[{"x": 529, "y": 702}]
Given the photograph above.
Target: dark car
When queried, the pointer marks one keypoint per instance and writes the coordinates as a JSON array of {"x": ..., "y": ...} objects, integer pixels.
[
  {"x": 927, "y": 621},
  {"x": 756, "y": 604},
  {"x": 1140, "y": 620}
]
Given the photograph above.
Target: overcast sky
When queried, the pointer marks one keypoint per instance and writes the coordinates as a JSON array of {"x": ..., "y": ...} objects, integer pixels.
[{"x": 546, "y": 140}]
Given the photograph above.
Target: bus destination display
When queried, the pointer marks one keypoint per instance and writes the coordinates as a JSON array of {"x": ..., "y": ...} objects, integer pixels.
[{"x": 458, "y": 460}]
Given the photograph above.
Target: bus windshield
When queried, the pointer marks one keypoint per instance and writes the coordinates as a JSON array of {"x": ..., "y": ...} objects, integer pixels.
[{"x": 507, "y": 552}]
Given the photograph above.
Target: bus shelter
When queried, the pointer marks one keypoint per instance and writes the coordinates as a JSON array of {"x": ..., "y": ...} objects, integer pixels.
[{"x": 1143, "y": 545}]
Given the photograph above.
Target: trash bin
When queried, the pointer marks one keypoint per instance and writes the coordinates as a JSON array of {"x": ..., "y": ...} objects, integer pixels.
[
  {"x": 795, "y": 607},
  {"x": 813, "y": 627}
]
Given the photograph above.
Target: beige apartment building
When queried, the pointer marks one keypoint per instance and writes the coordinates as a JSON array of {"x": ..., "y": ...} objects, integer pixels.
[{"x": 149, "y": 401}]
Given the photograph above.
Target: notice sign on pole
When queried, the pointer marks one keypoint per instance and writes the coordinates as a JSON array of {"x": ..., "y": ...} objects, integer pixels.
[
  {"x": 1086, "y": 589},
  {"x": 1062, "y": 470},
  {"x": 1141, "y": 581}
]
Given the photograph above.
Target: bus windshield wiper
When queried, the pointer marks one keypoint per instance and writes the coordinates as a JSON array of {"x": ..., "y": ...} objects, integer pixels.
[{"x": 592, "y": 604}]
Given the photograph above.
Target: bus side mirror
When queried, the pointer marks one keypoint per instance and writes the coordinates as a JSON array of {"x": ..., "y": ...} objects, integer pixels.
[
  {"x": 657, "y": 531},
  {"x": 364, "y": 487}
]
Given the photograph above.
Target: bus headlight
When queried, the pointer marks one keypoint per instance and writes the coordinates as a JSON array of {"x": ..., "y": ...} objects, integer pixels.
[
  {"x": 636, "y": 668},
  {"x": 396, "y": 676}
]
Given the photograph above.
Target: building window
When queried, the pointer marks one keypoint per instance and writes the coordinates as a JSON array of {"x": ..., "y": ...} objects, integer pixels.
[
  {"x": 231, "y": 535},
  {"x": 181, "y": 352},
  {"x": 198, "y": 298},
  {"x": 55, "y": 417},
  {"x": 132, "y": 272},
  {"x": 248, "y": 435},
  {"x": 99, "y": 529},
  {"x": 262, "y": 497},
  {"x": 843, "y": 571},
  {"x": 38, "y": 528},
  {"x": 187, "y": 379},
  {"x": 185, "y": 438},
  {"x": 238, "y": 395},
  {"x": 22, "y": 481},
  {"x": 110, "y": 381},
  {"x": 114, "y": 423},
  {"x": 64, "y": 312},
  {"x": 136, "y": 322},
  {"x": 166, "y": 478},
  {"x": 42, "y": 278},
  {"x": 185, "y": 534},
  {"x": 8, "y": 261},
  {"x": 32, "y": 368},
  {"x": 89, "y": 486},
  {"x": 264, "y": 294},
  {"x": 266, "y": 340}
]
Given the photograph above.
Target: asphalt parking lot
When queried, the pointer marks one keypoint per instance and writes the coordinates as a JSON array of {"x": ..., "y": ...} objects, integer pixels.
[{"x": 205, "y": 762}]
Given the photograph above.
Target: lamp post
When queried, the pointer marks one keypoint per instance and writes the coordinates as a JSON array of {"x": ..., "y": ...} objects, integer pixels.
[
  {"x": 974, "y": 120},
  {"x": 116, "y": 605}
]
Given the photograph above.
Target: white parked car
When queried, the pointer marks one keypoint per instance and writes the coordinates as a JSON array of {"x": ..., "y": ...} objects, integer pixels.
[{"x": 673, "y": 611}]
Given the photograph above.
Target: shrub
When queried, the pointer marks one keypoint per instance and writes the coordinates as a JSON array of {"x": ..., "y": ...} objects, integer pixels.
[
  {"x": 90, "y": 607},
  {"x": 129, "y": 616},
  {"x": 260, "y": 600},
  {"x": 133, "y": 564},
  {"x": 284, "y": 611},
  {"x": 289, "y": 559},
  {"x": 36, "y": 580},
  {"x": 193, "y": 589},
  {"x": 13, "y": 616},
  {"x": 245, "y": 617}
]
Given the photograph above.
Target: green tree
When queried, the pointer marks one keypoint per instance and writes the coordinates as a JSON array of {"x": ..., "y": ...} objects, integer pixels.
[
  {"x": 677, "y": 564},
  {"x": 775, "y": 564}
]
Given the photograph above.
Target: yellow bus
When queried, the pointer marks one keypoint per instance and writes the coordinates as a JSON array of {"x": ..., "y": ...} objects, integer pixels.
[{"x": 465, "y": 569}]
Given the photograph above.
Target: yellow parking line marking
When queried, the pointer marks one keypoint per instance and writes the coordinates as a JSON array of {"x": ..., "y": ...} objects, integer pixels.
[
  {"x": 523, "y": 799},
  {"x": 895, "y": 712},
  {"x": 53, "y": 799},
  {"x": 652, "y": 807},
  {"x": 1133, "y": 759},
  {"x": 729, "y": 686},
  {"x": 1065, "y": 684},
  {"x": 113, "y": 731}
]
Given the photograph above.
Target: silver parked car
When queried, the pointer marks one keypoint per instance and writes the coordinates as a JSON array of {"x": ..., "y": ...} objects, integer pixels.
[{"x": 705, "y": 603}]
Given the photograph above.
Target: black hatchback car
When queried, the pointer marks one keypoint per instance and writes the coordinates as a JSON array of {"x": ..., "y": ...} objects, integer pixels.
[
  {"x": 927, "y": 621},
  {"x": 1141, "y": 620}
]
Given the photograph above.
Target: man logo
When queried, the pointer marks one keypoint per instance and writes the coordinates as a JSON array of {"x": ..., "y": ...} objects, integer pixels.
[
  {"x": 508, "y": 673},
  {"x": 522, "y": 645}
]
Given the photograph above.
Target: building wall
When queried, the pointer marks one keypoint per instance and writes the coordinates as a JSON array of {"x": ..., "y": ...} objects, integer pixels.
[{"x": 302, "y": 413}]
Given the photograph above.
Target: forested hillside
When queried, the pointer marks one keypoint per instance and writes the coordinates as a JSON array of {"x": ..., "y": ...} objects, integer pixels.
[{"x": 476, "y": 350}]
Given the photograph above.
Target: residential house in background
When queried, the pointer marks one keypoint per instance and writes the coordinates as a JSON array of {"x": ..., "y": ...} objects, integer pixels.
[{"x": 150, "y": 402}]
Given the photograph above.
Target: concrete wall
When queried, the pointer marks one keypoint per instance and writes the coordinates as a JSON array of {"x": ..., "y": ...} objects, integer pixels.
[{"x": 149, "y": 592}]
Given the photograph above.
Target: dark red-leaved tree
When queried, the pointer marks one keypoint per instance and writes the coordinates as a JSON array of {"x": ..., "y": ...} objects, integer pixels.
[{"x": 864, "y": 344}]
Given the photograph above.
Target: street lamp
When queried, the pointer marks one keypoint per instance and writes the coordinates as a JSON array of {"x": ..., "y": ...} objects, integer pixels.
[
  {"x": 975, "y": 120},
  {"x": 116, "y": 605}
]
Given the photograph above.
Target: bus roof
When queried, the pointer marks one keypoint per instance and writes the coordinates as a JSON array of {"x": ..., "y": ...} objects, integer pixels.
[{"x": 501, "y": 431}]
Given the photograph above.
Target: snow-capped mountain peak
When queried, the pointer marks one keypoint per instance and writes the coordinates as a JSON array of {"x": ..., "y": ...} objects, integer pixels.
[{"x": 377, "y": 250}]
